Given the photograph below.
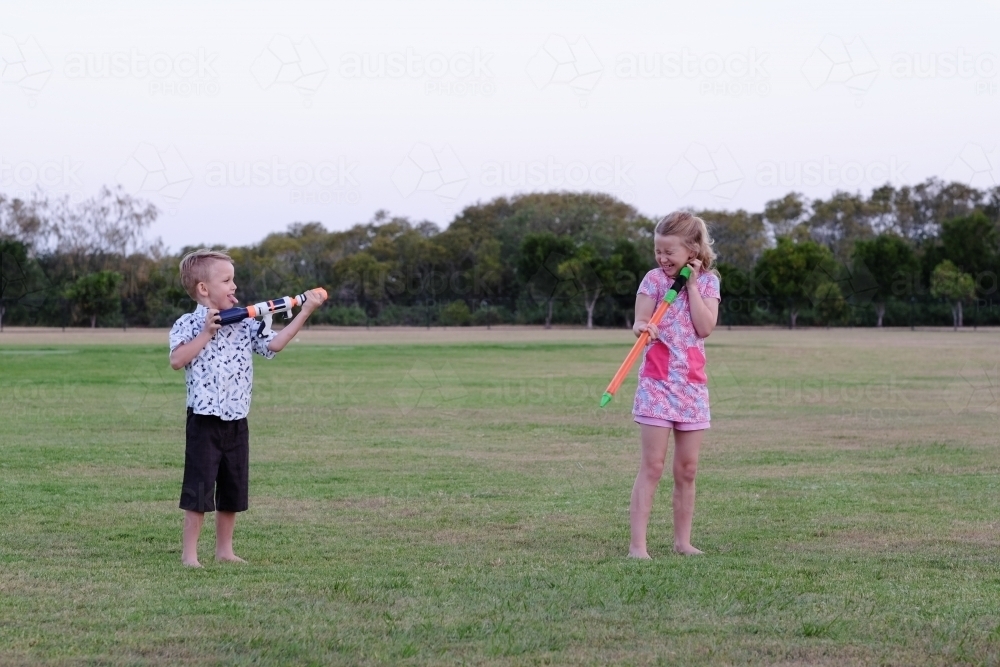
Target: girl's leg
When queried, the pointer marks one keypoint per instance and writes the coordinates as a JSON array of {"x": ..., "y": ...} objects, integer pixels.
[
  {"x": 686, "y": 447},
  {"x": 654, "y": 452}
]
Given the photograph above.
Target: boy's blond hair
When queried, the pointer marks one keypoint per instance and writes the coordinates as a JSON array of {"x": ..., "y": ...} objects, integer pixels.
[{"x": 194, "y": 268}]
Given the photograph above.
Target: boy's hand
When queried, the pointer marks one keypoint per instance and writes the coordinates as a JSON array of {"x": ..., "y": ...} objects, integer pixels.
[
  {"x": 314, "y": 299},
  {"x": 212, "y": 322}
]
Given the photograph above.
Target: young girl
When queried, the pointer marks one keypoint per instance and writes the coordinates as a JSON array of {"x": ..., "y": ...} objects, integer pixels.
[{"x": 672, "y": 392}]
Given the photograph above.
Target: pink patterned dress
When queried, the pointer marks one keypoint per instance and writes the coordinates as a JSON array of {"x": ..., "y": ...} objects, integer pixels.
[{"x": 672, "y": 381}]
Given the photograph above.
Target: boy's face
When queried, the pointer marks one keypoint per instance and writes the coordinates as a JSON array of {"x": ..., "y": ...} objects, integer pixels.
[
  {"x": 671, "y": 254},
  {"x": 219, "y": 291}
]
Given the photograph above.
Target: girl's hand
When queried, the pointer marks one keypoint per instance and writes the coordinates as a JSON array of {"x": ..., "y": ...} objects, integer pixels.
[
  {"x": 695, "y": 265},
  {"x": 654, "y": 332}
]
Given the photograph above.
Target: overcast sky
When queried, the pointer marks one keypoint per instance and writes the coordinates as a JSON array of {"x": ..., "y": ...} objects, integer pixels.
[{"x": 239, "y": 118}]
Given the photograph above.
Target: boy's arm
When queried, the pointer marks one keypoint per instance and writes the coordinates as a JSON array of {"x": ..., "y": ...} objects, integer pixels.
[
  {"x": 183, "y": 354},
  {"x": 314, "y": 299}
]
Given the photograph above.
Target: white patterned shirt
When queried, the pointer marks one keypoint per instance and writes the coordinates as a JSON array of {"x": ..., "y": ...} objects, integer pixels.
[{"x": 220, "y": 378}]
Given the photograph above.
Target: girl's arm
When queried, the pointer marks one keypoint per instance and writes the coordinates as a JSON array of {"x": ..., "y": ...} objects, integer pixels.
[
  {"x": 704, "y": 312},
  {"x": 644, "y": 307}
]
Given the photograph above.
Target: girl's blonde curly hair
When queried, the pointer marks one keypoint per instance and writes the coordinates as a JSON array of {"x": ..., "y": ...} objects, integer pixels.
[{"x": 693, "y": 233}]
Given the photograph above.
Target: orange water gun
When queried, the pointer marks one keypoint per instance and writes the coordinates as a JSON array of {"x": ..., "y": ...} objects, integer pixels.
[{"x": 640, "y": 344}]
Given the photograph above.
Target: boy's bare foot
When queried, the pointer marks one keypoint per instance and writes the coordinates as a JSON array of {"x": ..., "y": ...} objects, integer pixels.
[
  {"x": 190, "y": 563},
  {"x": 687, "y": 550},
  {"x": 638, "y": 553},
  {"x": 228, "y": 558}
]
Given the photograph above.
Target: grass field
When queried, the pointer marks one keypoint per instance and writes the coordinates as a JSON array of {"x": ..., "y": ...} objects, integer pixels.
[{"x": 450, "y": 502}]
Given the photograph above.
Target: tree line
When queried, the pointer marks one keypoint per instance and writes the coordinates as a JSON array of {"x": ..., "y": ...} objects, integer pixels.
[{"x": 912, "y": 255}]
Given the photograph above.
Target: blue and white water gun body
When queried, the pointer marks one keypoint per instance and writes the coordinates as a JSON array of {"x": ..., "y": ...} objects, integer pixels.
[{"x": 266, "y": 310}]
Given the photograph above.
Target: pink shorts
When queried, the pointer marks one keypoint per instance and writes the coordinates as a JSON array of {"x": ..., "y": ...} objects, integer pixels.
[{"x": 666, "y": 423}]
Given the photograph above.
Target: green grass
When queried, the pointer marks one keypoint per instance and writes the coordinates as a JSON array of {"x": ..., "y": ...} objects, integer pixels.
[{"x": 424, "y": 504}]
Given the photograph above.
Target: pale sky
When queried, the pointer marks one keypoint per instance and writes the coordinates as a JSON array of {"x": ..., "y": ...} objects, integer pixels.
[{"x": 239, "y": 118}]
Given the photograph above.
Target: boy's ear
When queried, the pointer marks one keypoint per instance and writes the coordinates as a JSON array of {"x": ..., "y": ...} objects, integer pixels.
[{"x": 202, "y": 289}]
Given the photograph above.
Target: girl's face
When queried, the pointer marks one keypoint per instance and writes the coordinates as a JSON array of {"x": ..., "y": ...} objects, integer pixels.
[{"x": 671, "y": 254}]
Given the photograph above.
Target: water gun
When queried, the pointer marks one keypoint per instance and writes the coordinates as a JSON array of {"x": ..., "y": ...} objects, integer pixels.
[
  {"x": 266, "y": 310},
  {"x": 640, "y": 344}
]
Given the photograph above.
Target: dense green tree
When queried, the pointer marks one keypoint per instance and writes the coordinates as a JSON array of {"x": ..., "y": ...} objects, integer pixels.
[
  {"x": 96, "y": 294},
  {"x": 792, "y": 272},
  {"x": 948, "y": 282},
  {"x": 739, "y": 237},
  {"x": 539, "y": 259},
  {"x": 18, "y": 275},
  {"x": 829, "y": 303},
  {"x": 785, "y": 214},
  {"x": 402, "y": 271},
  {"x": 891, "y": 262},
  {"x": 840, "y": 221},
  {"x": 588, "y": 274},
  {"x": 971, "y": 243}
]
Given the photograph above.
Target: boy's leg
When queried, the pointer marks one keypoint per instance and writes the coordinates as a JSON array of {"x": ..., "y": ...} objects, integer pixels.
[
  {"x": 224, "y": 524},
  {"x": 654, "y": 452},
  {"x": 686, "y": 447},
  {"x": 232, "y": 488},
  {"x": 192, "y": 529},
  {"x": 201, "y": 464}
]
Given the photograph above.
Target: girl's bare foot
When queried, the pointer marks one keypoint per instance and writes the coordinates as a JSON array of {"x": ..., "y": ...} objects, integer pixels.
[
  {"x": 228, "y": 558},
  {"x": 687, "y": 550},
  {"x": 190, "y": 563},
  {"x": 638, "y": 553}
]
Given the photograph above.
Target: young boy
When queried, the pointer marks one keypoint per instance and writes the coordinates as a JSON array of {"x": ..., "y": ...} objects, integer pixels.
[{"x": 219, "y": 369}]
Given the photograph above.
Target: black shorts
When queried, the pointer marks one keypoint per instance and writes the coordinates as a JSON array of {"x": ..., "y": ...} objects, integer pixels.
[{"x": 216, "y": 464}]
